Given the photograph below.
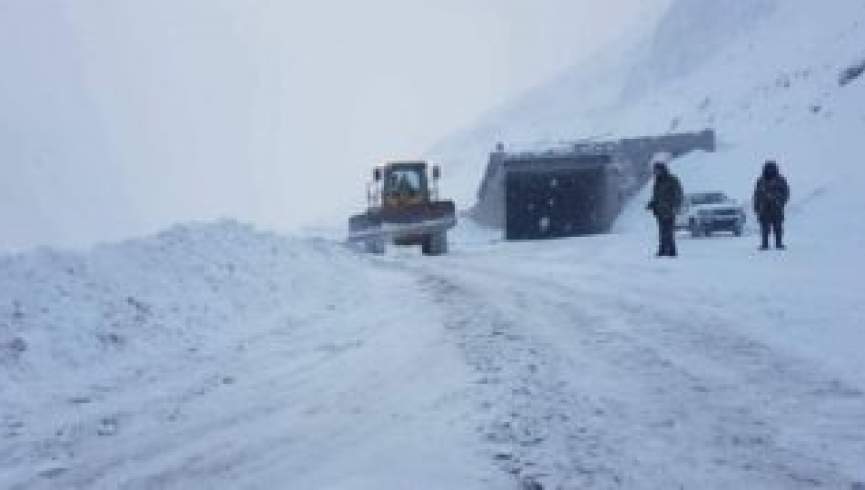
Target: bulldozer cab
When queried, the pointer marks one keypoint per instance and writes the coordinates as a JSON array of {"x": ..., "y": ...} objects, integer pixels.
[{"x": 404, "y": 184}]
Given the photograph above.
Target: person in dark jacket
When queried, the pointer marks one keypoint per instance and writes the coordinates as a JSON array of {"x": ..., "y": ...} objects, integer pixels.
[
  {"x": 770, "y": 197},
  {"x": 665, "y": 204}
]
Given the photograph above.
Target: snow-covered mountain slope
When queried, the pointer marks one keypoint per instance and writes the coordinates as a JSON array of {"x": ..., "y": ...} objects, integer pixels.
[
  {"x": 763, "y": 73},
  {"x": 775, "y": 93}
]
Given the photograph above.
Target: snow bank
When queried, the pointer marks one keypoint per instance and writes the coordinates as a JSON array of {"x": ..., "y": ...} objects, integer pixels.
[{"x": 68, "y": 315}]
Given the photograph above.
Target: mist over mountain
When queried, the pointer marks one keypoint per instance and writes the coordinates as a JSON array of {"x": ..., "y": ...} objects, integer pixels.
[{"x": 121, "y": 119}]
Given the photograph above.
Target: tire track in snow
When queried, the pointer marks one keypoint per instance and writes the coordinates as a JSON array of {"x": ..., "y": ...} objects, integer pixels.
[
  {"x": 690, "y": 403},
  {"x": 537, "y": 428}
]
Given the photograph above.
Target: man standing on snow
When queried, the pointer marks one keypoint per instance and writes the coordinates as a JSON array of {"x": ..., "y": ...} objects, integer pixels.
[
  {"x": 770, "y": 196},
  {"x": 665, "y": 204}
]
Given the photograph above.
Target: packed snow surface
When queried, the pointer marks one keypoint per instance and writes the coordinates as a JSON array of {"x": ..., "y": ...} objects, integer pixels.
[{"x": 215, "y": 356}]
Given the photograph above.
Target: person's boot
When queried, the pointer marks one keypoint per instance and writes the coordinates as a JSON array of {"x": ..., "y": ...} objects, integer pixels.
[{"x": 764, "y": 236}]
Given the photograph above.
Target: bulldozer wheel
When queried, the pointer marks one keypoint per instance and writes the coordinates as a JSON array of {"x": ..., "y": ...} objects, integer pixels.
[
  {"x": 374, "y": 246},
  {"x": 435, "y": 244}
]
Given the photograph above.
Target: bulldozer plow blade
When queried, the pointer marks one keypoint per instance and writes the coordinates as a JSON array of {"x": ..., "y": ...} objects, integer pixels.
[{"x": 400, "y": 224}]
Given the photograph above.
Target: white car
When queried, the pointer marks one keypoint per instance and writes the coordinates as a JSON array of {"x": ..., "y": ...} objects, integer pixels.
[{"x": 704, "y": 213}]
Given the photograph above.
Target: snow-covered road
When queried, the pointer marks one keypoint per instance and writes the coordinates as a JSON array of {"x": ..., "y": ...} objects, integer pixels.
[
  {"x": 604, "y": 369},
  {"x": 581, "y": 363}
]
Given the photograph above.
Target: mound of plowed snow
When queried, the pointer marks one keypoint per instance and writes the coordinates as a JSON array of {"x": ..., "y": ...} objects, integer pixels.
[{"x": 63, "y": 314}]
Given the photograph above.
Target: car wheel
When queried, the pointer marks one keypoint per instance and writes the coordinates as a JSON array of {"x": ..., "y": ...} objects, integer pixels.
[{"x": 695, "y": 230}]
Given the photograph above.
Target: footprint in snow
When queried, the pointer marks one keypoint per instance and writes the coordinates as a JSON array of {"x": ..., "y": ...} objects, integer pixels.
[
  {"x": 52, "y": 473},
  {"x": 107, "y": 427},
  {"x": 13, "y": 427}
]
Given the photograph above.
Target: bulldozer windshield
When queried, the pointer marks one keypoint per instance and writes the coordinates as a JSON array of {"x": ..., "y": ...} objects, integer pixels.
[{"x": 404, "y": 182}]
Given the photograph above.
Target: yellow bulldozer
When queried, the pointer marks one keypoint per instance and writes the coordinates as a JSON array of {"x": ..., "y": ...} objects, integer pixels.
[{"x": 404, "y": 209}]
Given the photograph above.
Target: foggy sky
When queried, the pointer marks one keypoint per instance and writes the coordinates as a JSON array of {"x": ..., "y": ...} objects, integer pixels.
[{"x": 118, "y": 118}]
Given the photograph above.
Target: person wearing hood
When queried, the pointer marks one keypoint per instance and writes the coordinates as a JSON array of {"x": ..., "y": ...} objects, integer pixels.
[
  {"x": 666, "y": 202},
  {"x": 771, "y": 195}
]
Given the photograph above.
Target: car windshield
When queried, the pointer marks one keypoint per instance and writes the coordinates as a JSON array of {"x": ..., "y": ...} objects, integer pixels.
[{"x": 708, "y": 198}]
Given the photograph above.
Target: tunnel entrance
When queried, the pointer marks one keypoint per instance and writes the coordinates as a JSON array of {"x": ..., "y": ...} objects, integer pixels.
[
  {"x": 554, "y": 199},
  {"x": 517, "y": 186}
]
